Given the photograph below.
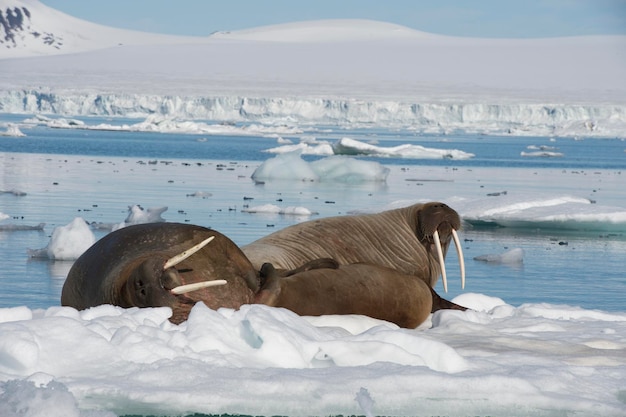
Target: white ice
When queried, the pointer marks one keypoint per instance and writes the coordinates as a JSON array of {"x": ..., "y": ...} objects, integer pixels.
[
  {"x": 535, "y": 359},
  {"x": 67, "y": 242},
  {"x": 290, "y": 166},
  {"x": 542, "y": 210},
  {"x": 274, "y": 209},
  {"x": 511, "y": 257},
  {"x": 335, "y": 72}
]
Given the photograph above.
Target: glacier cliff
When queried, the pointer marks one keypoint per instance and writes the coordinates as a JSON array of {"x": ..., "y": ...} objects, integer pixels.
[{"x": 522, "y": 119}]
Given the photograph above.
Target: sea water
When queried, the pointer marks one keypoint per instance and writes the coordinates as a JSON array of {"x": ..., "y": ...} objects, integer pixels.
[{"x": 98, "y": 174}]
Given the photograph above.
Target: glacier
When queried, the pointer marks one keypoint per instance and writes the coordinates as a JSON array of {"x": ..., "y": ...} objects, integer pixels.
[{"x": 433, "y": 117}]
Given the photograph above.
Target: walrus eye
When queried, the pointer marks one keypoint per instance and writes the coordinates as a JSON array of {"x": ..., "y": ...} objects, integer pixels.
[{"x": 175, "y": 260}]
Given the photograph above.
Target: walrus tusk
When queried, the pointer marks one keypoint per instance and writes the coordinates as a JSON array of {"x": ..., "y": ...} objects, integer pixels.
[
  {"x": 442, "y": 264},
  {"x": 459, "y": 252},
  {"x": 183, "y": 289},
  {"x": 175, "y": 260}
]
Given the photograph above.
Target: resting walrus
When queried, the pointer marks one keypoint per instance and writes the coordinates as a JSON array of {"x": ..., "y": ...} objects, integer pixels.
[
  {"x": 325, "y": 287},
  {"x": 139, "y": 266},
  {"x": 412, "y": 240},
  {"x": 173, "y": 265}
]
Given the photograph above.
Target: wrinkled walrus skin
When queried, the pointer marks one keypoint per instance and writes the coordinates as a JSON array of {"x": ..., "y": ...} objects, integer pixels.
[
  {"x": 400, "y": 239},
  {"x": 125, "y": 268}
]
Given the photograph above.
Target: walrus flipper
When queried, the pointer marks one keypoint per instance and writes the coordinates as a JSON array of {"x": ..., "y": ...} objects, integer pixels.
[{"x": 443, "y": 304}]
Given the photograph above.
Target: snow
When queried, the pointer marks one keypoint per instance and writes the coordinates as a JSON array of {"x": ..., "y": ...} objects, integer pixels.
[
  {"x": 339, "y": 72},
  {"x": 502, "y": 359}
]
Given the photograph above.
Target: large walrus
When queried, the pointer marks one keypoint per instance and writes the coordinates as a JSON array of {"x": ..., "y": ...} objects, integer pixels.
[
  {"x": 151, "y": 265},
  {"x": 178, "y": 265},
  {"x": 412, "y": 240}
]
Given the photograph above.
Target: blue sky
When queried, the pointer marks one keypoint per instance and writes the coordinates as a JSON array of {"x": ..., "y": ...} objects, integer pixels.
[{"x": 482, "y": 18}]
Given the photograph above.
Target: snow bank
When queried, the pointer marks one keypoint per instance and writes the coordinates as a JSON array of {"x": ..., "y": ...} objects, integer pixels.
[
  {"x": 168, "y": 113},
  {"x": 468, "y": 363}
]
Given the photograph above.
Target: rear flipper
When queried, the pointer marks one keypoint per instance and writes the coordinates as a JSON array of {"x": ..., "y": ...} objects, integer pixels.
[{"x": 443, "y": 304}]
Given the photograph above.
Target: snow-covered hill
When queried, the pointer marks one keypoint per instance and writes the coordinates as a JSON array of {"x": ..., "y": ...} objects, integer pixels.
[
  {"x": 29, "y": 27},
  {"x": 332, "y": 71}
]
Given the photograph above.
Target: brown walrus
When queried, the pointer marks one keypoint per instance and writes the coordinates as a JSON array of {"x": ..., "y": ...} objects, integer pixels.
[
  {"x": 173, "y": 265},
  {"x": 325, "y": 287},
  {"x": 139, "y": 266},
  {"x": 412, "y": 240}
]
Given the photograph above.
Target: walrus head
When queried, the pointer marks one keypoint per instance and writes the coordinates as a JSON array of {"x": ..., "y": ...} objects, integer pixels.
[
  {"x": 162, "y": 265},
  {"x": 159, "y": 281},
  {"x": 437, "y": 225}
]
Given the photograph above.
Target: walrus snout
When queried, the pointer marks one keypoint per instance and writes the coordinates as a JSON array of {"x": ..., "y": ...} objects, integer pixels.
[
  {"x": 438, "y": 225},
  {"x": 149, "y": 285}
]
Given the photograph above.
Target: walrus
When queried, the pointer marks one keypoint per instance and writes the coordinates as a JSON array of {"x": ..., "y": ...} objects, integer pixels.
[
  {"x": 324, "y": 287},
  {"x": 176, "y": 265},
  {"x": 412, "y": 240},
  {"x": 162, "y": 264}
]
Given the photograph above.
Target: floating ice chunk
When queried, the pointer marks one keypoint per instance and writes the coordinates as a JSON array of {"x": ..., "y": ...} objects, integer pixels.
[
  {"x": 287, "y": 166},
  {"x": 201, "y": 194},
  {"x": 12, "y": 131},
  {"x": 67, "y": 242},
  {"x": 513, "y": 256},
  {"x": 139, "y": 215},
  {"x": 274, "y": 209},
  {"x": 20, "y": 227},
  {"x": 290, "y": 166},
  {"x": 542, "y": 154},
  {"x": 349, "y": 170},
  {"x": 347, "y": 146},
  {"x": 305, "y": 148}
]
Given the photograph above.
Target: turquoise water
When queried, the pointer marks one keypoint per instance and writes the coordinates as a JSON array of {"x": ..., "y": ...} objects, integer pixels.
[{"x": 96, "y": 175}]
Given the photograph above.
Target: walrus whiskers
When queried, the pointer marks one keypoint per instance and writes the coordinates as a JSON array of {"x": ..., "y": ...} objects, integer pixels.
[
  {"x": 442, "y": 264},
  {"x": 175, "y": 260},
  {"x": 459, "y": 252},
  {"x": 184, "y": 289}
]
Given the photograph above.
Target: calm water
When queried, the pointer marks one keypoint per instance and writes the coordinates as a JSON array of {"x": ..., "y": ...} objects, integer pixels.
[{"x": 98, "y": 174}]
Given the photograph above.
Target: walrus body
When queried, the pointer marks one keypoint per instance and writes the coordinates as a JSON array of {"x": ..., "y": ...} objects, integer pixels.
[
  {"x": 400, "y": 239},
  {"x": 125, "y": 268},
  {"x": 135, "y": 267},
  {"x": 370, "y": 290}
]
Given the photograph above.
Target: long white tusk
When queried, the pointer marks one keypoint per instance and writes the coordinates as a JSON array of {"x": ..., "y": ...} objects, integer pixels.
[
  {"x": 183, "y": 289},
  {"x": 459, "y": 252},
  {"x": 175, "y": 260},
  {"x": 441, "y": 261}
]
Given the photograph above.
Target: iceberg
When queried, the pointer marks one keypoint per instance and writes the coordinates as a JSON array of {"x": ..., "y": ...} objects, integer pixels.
[
  {"x": 278, "y": 115},
  {"x": 290, "y": 166}
]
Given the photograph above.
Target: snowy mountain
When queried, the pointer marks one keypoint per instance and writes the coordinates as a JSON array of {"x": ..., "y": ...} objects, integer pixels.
[
  {"x": 29, "y": 28},
  {"x": 331, "y": 71}
]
